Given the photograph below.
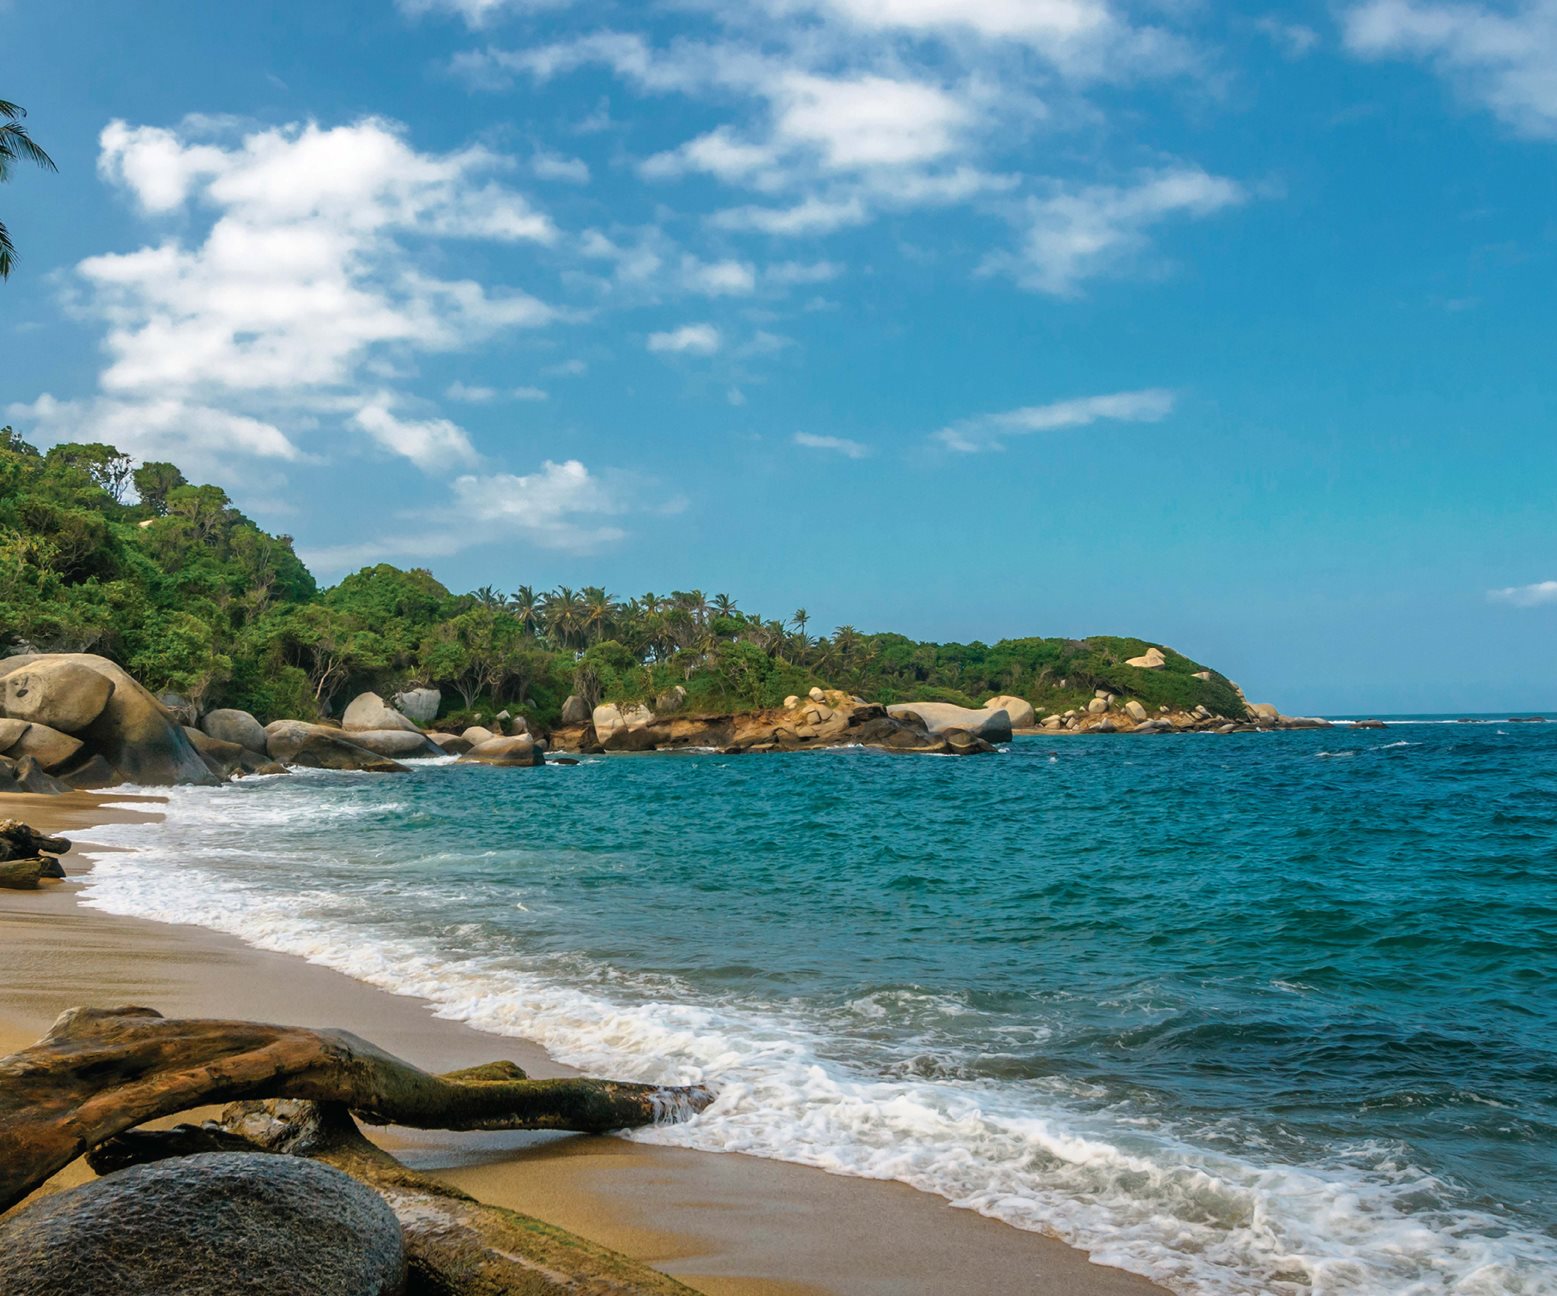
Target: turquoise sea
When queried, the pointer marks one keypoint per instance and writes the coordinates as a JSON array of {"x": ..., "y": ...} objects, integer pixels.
[{"x": 1265, "y": 1013}]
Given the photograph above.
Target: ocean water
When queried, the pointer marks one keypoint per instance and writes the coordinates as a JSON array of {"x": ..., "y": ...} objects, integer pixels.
[{"x": 1250, "y": 1014}]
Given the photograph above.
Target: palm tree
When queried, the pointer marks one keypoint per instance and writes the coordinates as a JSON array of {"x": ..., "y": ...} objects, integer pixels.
[
  {"x": 562, "y": 616},
  {"x": 597, "y": 612},
  {"x": 724, "y": 605},
  {"x": 15, "y": 146},
  {"x": 489, "y": 598},
  {"x": 526, "y": 604}
]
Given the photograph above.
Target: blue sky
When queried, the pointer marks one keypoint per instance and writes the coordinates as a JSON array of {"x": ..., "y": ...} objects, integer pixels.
[{"x": 1229, "y": 329}]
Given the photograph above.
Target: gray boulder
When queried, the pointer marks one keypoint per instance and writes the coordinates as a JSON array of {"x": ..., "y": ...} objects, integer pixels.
[
  {"x": 575, "y": 711},
  {"x": 25, "y": 775},
  {"x": 992, "y": 725},
  {"x": 217, "y": 1224},
  {"x": 133, "y": 732},
  {"x": 452, "y": 744},
  {"x": 369, "y": 711},
  {"x": 420, "y": 705},
  {"x": 395, "y": 743},
  {"x": 506, "y": 751},
  {"x": 231, "y": 725},
  {"x": 230, "y": 760},
  {"x": 59, "y": 691},
  {"x": 296, "y": 742}
]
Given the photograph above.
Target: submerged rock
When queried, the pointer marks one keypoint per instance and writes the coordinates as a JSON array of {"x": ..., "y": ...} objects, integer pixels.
[{"x": 216, "y": 1224}]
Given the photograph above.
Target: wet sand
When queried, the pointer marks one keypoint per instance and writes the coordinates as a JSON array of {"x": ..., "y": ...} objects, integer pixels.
[{"x": 724, "y": 1224}]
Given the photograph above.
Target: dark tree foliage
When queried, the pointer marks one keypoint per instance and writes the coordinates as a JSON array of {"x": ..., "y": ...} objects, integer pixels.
[{"x": 192, "y": 597}]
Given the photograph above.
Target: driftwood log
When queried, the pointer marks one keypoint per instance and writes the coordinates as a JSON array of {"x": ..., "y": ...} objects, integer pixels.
[
  {"x": 455, "y": 1245},
  {"x": 101, "y": 1072},
  {"x": 18, "y": 841}
]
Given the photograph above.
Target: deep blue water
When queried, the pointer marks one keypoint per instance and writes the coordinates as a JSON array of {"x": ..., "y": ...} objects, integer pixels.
[{"x": 1255, "y": 1013}]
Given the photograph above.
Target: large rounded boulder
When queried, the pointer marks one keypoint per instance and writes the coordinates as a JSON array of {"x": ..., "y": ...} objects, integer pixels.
[
  {"x": 520, "y": 751},
  {"x": 1019, "y": 709},
  {"x": 49, "y": 747},
  {"x": 233, "y": 726},
  {"x": 217, "y": 1224},
  {"x": 133, "y": 732},
  {"x": 575, "y": 711},
  {"x": 368, "y": 711},
  {"x": 397, "y": 744},
  {"x": 420, "y": 705},
  {"x": 992, "y": 725},
  {"x": 296, "y": 742},
  {"x": 61, "y": 692}
]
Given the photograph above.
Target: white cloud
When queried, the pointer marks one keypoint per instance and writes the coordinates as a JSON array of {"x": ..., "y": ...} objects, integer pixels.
[
  {"x": 478, "y": 395},
  {"x": 431, "y": 444},
  {"x": 1075, "y": 235},
  {"x": 868, "y": 121},
  {"x": 560, "y": 506},
  {"x": 990, "y": 431},
  {"x": 1541, "y": 594},
  {"x": 811, "y": 215},
  {"x": 555, "y": 166},
  {"x": 689, "y": 339},
  {"x": 719, "y": 278},
  {"x": 290, "y": 291},
  {"x": 1294, "y": 40},
  {"x": 1503, "y": 56},
  {"x": 838, "y": 445},
  {"x": 792, "y": 273},
  {"x": 478, "y": 13},
  {"x": 718, "y": 153}
]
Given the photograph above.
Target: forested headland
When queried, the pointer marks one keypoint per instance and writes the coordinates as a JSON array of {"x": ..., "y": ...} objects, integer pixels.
[{"x": 168, "y": 578}]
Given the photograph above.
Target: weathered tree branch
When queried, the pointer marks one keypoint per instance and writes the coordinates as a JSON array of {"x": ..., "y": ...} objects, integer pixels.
[
  {"x": 456, "y": 1245},
  {"x": 100, "y": 1072}
]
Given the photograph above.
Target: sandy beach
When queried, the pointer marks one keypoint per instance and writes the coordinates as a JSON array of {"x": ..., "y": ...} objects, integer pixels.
[{"x": 724, "y": 1224}]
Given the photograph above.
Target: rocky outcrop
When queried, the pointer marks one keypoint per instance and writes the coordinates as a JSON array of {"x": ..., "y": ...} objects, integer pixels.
[
  {"x": 25, "y": 775},
  {"x": 1151, "y": 659},
  {"x": 397, "y": 744},
  {"x": 296, "y": 742},
  {"x": 368, "y": 711},
  {"x": 218, "y": 1223},
  {"x": 451, "y": 744},
  {"x": 59, "y": 692},
  {"x": 830, "y": 719},
  {"x": 990, "y": 724},
  {"x": 132, "y": 732},
  {"x": 49, "y": 747},
  {"x": 521, "y": 750},
  {"x": 1135, "y": 711},
  {"x": 1021, "y": 711},
  {"x": 575, "y": 711},
  {"x": 478, "y": 734},
  {"x": 234, "y": 726},
  {"x": 419, "y": 705},
  {"x": 1263, "y": 711},
  {"x": 230, "y": 760}
]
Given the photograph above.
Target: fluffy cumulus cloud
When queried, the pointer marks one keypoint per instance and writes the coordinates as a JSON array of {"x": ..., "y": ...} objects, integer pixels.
[
  {"x": 282, "y": 287},
  {"x": 1540, "y": 594},
  {"x": 992, "y": 431},
  {"x": 1503, "y": 56},
  {"x": 829, "y": 115}
]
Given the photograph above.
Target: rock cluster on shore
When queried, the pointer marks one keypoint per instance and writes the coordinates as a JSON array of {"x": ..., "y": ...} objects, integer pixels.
[
  {"x": 78, "y": 721},
  {"x": 28, "y": 856}
]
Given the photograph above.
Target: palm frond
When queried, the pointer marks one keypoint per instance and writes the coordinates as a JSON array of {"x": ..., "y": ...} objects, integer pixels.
[
  {"x": 15, "y": 142},
  {"x": 11, "y": 110},
  {"x": 7, "y": 252}
]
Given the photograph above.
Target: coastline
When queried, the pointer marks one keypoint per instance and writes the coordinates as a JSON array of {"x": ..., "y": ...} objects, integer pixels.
[{"x": 724, "y": 1224}]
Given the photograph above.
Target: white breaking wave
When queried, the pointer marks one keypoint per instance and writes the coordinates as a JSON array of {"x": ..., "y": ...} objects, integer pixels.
[{"x": 1127, "y": 1190}]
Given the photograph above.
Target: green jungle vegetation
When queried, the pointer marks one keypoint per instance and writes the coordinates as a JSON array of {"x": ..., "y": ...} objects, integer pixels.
[{"x": 99, "y": 554}]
